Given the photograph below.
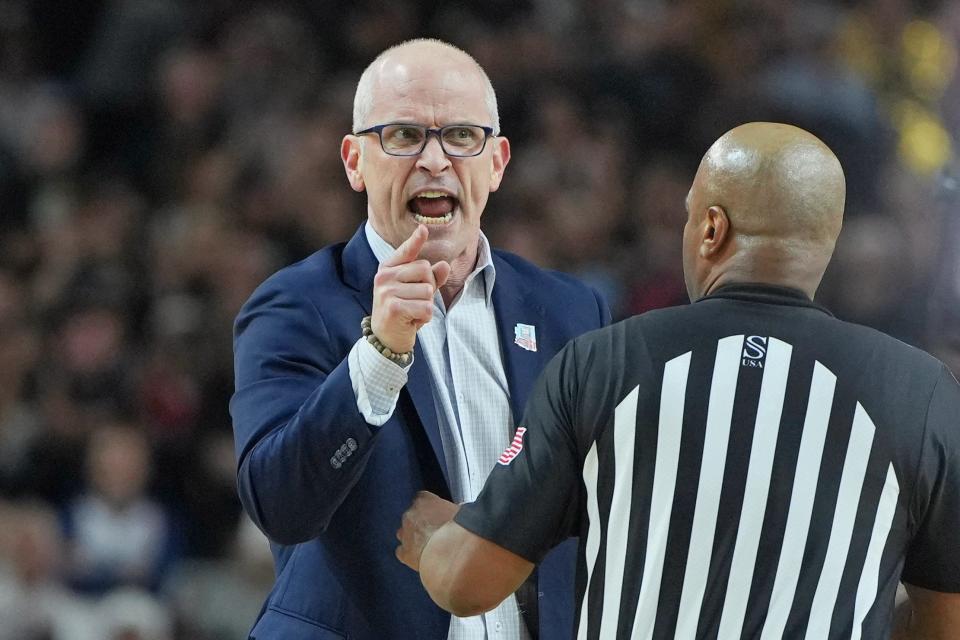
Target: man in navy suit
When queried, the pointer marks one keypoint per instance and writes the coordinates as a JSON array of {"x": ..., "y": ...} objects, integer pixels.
[{"x": 396, "y": 363}]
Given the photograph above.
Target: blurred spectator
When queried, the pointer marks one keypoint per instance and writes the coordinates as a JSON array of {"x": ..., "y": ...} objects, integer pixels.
[
  {"x": 866, "y": 283},
  {"x": 131, "y": 614},
  {"x": 19, "y": 422},
  {"x": 82, "y": 380},
  {"x": 34, "y": 603},
  {"x": 945, "y": 302},
  {"x": 657, "y": 216},
  {"x": 116, "y": 535}
]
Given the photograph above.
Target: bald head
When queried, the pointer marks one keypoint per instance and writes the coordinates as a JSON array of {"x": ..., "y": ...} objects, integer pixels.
[
  {"x": 775, "y": 181},
  {"x": 782, "y": 193},
  {"x": 395, "y": 60}
]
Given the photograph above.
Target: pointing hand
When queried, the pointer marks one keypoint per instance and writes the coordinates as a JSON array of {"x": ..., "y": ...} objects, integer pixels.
[{"x": 403, "y": 293}]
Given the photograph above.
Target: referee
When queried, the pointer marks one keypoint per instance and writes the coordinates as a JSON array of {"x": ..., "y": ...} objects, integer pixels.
[{"x": 744, "y": 467}]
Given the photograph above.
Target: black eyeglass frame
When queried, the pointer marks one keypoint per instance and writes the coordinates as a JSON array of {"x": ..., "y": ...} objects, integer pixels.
[{"x": 378, "y": 129}]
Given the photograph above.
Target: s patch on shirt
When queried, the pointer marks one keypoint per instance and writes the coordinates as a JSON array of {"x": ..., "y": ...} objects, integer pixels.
[{"x": 514, "y": 449}]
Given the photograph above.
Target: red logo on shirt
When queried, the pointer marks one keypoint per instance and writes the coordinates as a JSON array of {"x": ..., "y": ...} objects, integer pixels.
[{"x": 515, "y": 447}]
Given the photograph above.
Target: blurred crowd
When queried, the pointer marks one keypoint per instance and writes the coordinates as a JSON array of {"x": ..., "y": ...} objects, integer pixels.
[{"x": 160, "y": 158}]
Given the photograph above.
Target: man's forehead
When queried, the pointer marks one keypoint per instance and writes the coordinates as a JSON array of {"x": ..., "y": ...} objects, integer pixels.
[
  {"x": 441, "y": 73},
  {"x": 403, "y": 85}
]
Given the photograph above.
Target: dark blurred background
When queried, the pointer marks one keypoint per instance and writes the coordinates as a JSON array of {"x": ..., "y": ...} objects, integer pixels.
[{"x": 160, "y": 158}]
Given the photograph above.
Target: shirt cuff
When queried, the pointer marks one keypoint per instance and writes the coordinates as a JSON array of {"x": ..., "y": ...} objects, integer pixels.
[{"x": 376, "y": 382}]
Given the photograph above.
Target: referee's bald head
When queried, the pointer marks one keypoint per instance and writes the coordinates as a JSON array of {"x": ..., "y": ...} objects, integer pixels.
[{"x": 766, "y": 206}]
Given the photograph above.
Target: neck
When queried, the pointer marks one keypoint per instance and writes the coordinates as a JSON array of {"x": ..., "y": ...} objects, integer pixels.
[
  {"x": 795, "y": 269},
  {"x": 460, "y": 269},
  {"x": 449, "y": 294},
  {"x": 732, "y": 279}
]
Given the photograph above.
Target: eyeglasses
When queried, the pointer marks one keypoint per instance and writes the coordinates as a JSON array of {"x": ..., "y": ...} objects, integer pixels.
[{"x": 457, "y": 140}]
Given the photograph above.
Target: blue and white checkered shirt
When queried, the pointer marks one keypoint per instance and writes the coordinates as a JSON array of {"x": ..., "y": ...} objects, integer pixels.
[{"x": 471, "y": 398}]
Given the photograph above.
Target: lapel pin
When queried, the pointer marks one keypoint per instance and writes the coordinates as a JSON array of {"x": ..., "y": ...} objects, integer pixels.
[{"x": 525, "y": 336}]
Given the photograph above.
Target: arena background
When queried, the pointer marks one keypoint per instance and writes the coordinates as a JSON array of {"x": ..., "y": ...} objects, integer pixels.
[{"x": 159, "y": 158}]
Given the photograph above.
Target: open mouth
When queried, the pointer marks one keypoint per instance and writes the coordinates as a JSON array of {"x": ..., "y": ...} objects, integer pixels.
[{"x": 433, "y": 207}]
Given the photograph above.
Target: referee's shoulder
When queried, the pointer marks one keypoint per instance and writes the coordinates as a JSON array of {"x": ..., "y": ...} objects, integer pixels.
[{"x": 914, "y": 358}]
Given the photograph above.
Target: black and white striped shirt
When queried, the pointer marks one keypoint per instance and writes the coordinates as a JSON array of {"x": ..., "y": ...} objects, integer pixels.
[{"x": 744, "y": 467}]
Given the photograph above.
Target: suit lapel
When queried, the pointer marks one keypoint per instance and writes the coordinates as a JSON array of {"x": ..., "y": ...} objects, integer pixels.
[
  {"x": 420, "y": 387},
  {"x": 359, "y": 267},
  {"x": 515, "y": 306}
]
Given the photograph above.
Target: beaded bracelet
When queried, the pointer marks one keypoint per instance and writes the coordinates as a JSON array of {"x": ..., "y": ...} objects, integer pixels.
[{"x": 402, "y": 359}]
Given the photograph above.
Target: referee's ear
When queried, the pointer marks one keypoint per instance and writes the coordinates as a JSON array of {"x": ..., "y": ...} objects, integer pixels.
[{"x": 716, "y": 231}]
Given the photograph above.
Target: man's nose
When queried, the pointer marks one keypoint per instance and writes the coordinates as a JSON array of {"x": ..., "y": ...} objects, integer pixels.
[{"x": 432, "y": 158}]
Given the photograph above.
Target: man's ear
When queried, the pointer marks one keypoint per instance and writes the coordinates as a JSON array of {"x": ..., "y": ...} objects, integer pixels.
[
  {"x": 501, "y": 156},
  {"x": 351, "y": 152},
  {"x": 715, "y": 232}
]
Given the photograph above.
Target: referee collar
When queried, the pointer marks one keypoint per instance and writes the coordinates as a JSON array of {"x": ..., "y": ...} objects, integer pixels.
[{"x": 765, "y": 294}]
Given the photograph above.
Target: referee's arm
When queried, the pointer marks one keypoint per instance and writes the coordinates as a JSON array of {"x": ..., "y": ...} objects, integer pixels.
[
  {"x": 468, "y": 575},
  {"x": 463, "y": 573},
  {"x": 933, "y": 556},
  {"x": 929, "y": 615},
  {"x": 529, "y": 503}
]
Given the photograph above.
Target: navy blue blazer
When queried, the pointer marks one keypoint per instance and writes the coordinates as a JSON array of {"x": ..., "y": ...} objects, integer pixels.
[{"x": 326, "y": 487}]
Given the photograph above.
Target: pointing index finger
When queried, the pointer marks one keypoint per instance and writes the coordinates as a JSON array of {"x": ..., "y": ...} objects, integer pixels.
[{"x": 410, "y": 249}]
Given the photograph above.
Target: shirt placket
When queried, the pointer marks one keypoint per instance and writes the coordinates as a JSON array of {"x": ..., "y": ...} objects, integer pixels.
[{"x": 443, "y": 369}]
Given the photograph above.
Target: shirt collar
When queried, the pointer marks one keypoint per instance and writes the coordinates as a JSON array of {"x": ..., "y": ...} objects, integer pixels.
[
  {"x": 764, "y": 293},
  {"x": 382, "y": 250}
]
